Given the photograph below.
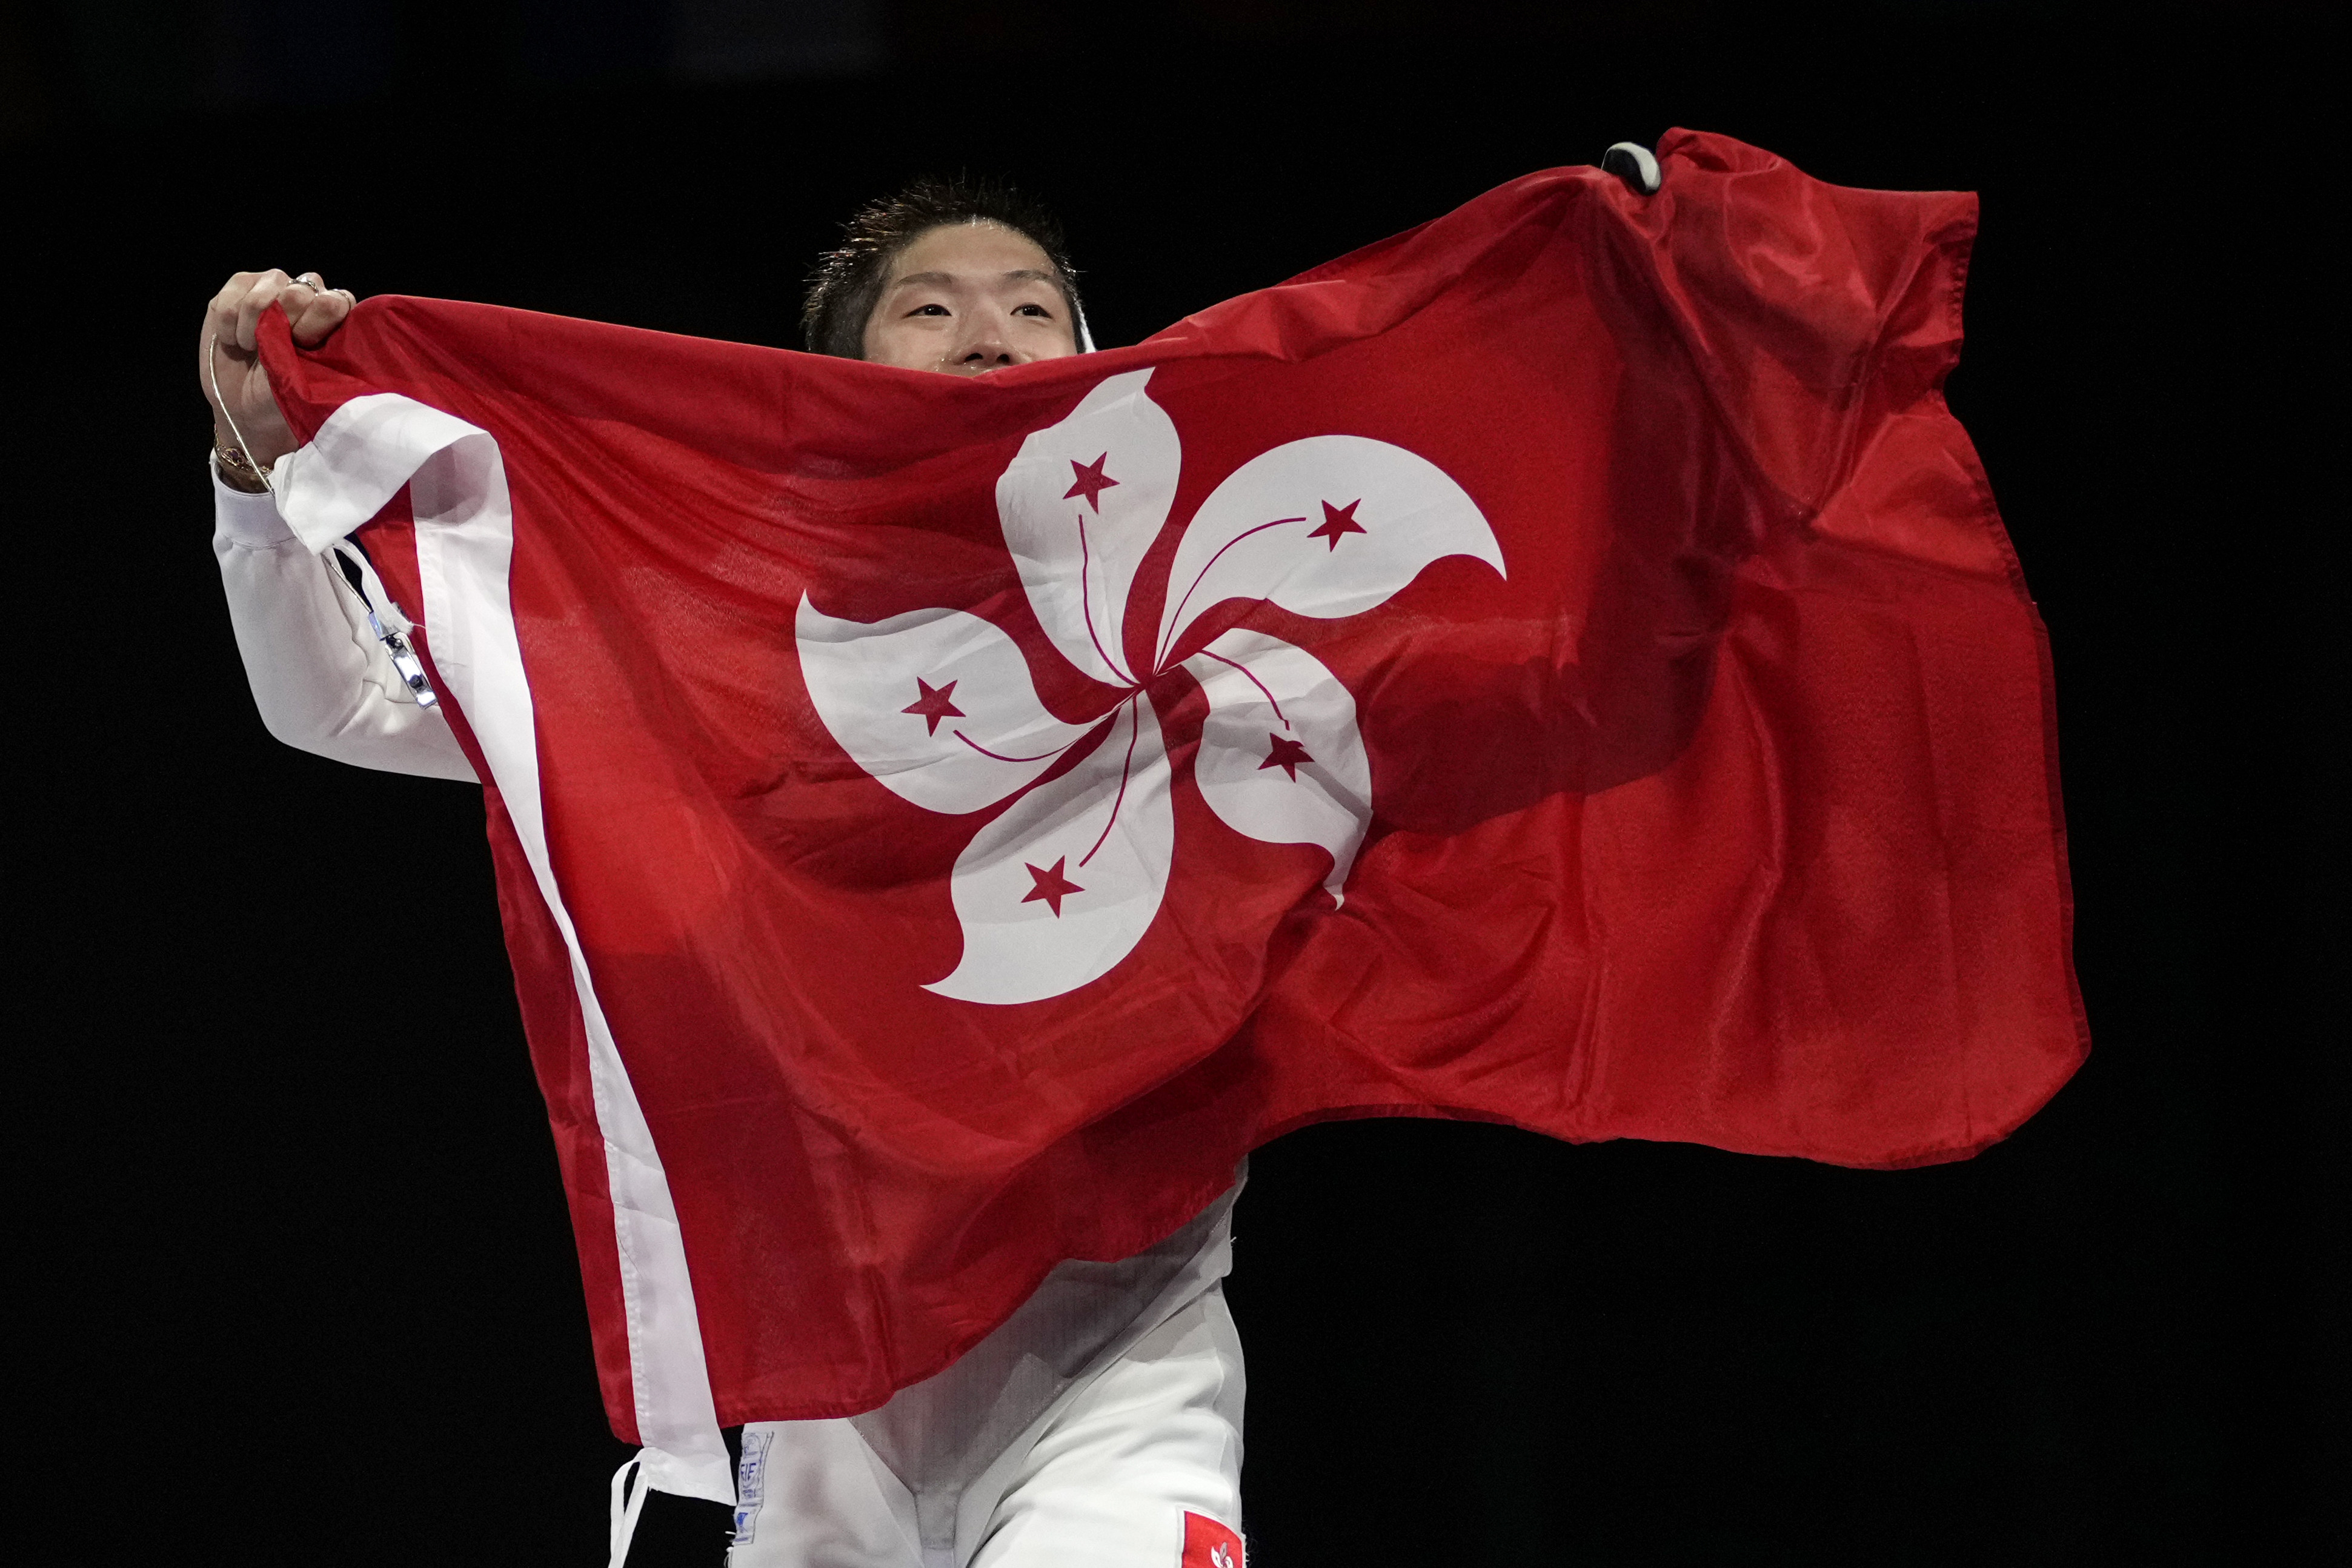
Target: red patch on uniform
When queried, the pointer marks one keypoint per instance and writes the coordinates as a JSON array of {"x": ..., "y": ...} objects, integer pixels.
[{"x": 1208, "y": 1544}]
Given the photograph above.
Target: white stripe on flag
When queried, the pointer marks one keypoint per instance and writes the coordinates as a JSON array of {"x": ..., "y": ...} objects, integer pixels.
[{"x": 361, "y": 456}]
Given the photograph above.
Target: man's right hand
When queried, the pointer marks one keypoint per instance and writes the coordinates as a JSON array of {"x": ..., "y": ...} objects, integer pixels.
[{"x": 226, "y": 350}]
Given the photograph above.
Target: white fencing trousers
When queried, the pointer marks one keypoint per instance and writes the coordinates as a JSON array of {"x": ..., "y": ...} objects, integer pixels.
[{"x": 1010, "y": 1460}]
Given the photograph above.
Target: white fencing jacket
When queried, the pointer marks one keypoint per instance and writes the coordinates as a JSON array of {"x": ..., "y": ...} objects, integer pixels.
[{"x": 322, "y": 681}]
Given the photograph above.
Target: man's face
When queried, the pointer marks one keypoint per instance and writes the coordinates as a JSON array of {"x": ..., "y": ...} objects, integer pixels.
[{"x": 968, "y": 298}]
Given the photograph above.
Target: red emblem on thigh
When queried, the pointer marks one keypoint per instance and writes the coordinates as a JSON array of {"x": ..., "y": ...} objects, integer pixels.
[{"x": 1208, "y": 1544}]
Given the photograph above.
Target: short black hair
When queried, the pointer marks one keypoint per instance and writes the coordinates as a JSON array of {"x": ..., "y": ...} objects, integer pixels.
[{"x": 847, "y": 281}]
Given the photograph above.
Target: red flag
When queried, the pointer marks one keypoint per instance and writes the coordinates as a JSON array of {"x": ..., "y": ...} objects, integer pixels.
[{"x": 1559, "y": 666}]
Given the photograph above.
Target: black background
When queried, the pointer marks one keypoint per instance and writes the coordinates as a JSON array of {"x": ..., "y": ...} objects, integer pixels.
[{"x": 301, "y": 1284}]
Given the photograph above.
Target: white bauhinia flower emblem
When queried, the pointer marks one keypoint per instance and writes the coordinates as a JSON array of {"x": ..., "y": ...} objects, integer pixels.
[{"x": 938, "y": 705}]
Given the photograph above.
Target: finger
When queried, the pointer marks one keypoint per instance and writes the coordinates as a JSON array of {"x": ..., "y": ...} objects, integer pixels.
[
  {"x": 319, "y": 316},
  {"x": 264, "y": 294},
  {"x": 246, "y": 320},
  {"x": 220, "y": 330},
  {"x": 220, "y": 310},
  {"x": 233, "y": 289},
  {"x": 296, "y": 298}
]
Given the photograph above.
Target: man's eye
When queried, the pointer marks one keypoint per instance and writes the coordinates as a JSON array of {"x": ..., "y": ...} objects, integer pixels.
[
  {"x": 929, "y": 310},
  {"x": 1039, "y": 311}
]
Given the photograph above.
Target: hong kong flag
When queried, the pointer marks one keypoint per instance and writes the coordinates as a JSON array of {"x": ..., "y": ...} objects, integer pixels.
[{"x": 1558, "y": 666}]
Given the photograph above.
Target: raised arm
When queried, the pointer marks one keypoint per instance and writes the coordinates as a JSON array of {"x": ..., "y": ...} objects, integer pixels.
[{"x": 322, "y": 681}]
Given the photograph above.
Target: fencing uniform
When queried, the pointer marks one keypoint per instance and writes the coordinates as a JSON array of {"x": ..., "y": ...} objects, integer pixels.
[
  {"x": 1078, "y": 1435},
  {"x": 1100, "y": 1427}
]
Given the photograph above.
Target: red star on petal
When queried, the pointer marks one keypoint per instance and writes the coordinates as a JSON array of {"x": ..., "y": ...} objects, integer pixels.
[
  {"x": 1286, "y": 754},
  {"x": 934, "y": 704},
  {"x": 1336, "y": 520},
  {"x": 1051, "y": 886},
  {"x": 1090, "y": 481}
]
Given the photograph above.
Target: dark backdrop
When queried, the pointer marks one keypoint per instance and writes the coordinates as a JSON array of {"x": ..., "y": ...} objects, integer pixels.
[{"x": 302, "y": 1283}]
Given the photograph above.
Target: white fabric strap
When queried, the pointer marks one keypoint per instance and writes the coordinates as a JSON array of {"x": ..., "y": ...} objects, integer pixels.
[{"x": 628, "y": 1502}]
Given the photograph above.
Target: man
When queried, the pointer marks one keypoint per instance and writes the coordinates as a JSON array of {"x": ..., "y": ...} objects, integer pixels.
[{"x": 1107, "y": 1409}]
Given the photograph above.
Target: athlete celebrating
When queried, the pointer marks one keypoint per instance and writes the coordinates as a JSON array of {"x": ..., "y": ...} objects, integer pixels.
[{"x": 1100, "y": 1427}]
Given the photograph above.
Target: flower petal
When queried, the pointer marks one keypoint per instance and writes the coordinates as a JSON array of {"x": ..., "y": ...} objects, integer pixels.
[
  {"x": 1324, "y": 527},
  {"x": 1079, "y": 505},
  {"x": 936, "y": 704},
  {"x": 1057, "y": 891},
  {"x": 1281, "y": 760}
]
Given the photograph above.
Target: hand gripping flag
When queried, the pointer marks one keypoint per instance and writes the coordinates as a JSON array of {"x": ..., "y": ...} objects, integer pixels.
[{"x": 1559, "y": 666}]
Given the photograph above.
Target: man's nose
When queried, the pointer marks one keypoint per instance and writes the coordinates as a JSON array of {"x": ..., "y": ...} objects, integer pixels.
[{"x": 985, "y": 349}]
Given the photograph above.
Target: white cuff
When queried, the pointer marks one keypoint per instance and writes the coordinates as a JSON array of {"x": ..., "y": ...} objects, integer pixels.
[{"x": 249, "y": 519}]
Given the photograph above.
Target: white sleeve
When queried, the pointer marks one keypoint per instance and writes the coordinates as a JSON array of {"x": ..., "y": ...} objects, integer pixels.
[{"x": 322, "y": 681}]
